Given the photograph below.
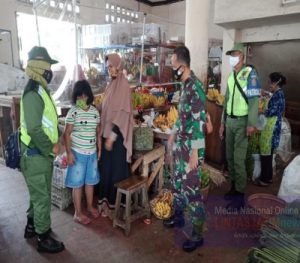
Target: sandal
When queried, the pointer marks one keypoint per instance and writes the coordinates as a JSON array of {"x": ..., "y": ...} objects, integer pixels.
[
  {"x": 95, "y": 214},
  {"x": 84, "y": 220},
  {"x": 258, "y": 182}
]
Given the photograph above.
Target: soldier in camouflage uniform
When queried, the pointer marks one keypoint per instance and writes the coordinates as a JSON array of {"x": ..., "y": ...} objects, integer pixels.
[{"x": 189, "y": 152}]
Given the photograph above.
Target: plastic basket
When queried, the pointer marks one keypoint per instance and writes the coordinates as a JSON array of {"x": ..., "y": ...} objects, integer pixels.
[
  {"x": 266, "y": 205},
  {"x": 59, "y": 176},
  {"x": 61, "y": 197}
]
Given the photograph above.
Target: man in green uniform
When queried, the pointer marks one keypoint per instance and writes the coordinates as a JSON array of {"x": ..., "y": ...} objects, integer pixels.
[
  {"x": 39, "y": 145},
  {"x": 189, "y": 154},
  {"x": 239, "y": 119}
]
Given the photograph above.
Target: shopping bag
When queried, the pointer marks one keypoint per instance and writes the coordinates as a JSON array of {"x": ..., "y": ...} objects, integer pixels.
[{"x": 143, "y": 138}]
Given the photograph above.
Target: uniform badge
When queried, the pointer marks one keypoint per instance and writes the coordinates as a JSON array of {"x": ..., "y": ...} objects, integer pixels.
[
  {"x": 253, "y": 82},
  {"x": 244, "y": 75}
]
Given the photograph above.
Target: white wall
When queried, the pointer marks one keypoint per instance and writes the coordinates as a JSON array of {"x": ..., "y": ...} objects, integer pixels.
[
  {"x": 236, "y": 10},
  {"x": 175, "y": 13},
  {"x": 173, "y": 16},
  {"x": 8, "y": 22},
  {"x": 255, "y": 21},
  {"x": 214, "y": 31}
]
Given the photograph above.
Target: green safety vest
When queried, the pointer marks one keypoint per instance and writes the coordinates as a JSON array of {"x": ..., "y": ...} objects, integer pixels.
[
  {"x": 49, "y": 120},
  {"x": 236, "y": 104}
]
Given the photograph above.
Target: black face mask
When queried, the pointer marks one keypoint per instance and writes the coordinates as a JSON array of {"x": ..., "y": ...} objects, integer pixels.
[
  {"x": 176, "y": 74},
  {"x": 48, "y": 74}
]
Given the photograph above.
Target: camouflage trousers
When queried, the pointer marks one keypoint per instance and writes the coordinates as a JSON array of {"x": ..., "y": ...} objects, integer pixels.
[{"x": 186, "y": 184}]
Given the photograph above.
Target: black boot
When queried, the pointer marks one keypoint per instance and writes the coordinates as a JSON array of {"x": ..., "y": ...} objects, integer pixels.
[
  {"x": 237, "y": 202},
  {"x": 195, "y": 241},
  {"x": 29, "y": 229},
  {"x": 230, "y": 194},
  {"x": 176, "y": 220},
  {"x": 48, "y": 244}
]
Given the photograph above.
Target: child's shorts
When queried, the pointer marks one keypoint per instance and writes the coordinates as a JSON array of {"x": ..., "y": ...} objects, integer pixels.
[{"x": 84, "y": 171}]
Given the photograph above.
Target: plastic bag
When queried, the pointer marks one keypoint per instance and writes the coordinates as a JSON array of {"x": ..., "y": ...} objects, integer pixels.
[
  {"x": 284, "y": 149},
  {"x": 290, "y": 185},
  {"x": 257, "y": 166}
]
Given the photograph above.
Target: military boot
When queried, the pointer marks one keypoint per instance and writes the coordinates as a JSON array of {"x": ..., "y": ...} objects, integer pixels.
[
  {"x": 48, "y": 244},
  {"x": 195, "y": 240},
  {"x": 176, "y": 220},
  {"x": 231, "y": 193},
  {"x": 237, "y": 203},
  {"x": 29, "y": 229}
]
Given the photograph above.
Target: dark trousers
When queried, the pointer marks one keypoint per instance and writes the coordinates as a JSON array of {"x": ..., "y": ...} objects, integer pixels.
[{"x": 266, "y": 167}]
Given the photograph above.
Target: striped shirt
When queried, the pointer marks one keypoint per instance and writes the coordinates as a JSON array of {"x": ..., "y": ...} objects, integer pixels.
[{"x": 83, "y": 137}]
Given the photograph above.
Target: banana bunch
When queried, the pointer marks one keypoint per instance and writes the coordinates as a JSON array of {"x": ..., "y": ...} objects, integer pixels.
[
  {"x": 98, "y": 99},
  {"x": 162, "y": 210},
  {"x": 172, "y": 116},
  {"x": 220, "y": 99},
  {"x": 157, "y": 101},
  {"x": 167, "y": 121},
  {"x": 146, "y": 100},
  {"x": 212, "y": 94},
  {"x": 159, "y": 121}
]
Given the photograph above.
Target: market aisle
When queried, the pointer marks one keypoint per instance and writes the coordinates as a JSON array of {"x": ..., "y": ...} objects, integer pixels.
[{"x": 98, "y": 242}]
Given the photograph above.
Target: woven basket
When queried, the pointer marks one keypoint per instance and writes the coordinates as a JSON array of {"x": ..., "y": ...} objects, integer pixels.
[{"x": 159, "y": 198}]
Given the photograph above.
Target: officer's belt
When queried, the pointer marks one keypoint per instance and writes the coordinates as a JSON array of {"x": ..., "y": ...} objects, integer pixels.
[
  {"x": 32, "y": 151},
  {"x": 236, "y": 117}
]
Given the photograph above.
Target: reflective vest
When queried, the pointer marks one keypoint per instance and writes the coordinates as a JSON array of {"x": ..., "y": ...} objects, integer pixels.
[
  {"x": 236, "y": 104},
  {"x": 49, "y": 119}
]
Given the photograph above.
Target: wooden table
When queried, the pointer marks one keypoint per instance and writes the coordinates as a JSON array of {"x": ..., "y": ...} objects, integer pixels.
[{"x": 214, "y": 146}]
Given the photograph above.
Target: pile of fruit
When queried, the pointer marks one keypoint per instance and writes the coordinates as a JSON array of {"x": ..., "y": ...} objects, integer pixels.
[
  {"x": 164, "y": 122},
  {"x": 263, "y": 103},
  {"x": 147, "y": 100},
  {"x": 92, "y": 73},
  {"x": 161, "y": 206},
  {"x": 98, "y": 99},
  {"x": 214, "y": 95}
]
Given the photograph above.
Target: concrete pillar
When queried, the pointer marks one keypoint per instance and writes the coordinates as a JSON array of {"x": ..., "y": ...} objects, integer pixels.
[
  {"x": 229, "y": 37},
  {"x": 196, "y": 35}
]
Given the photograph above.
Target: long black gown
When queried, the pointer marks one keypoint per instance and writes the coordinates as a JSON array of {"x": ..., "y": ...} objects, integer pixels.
[{"x": 113, "y": 168}]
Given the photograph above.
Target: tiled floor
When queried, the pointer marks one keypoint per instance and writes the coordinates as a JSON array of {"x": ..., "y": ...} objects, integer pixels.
[{"x": 226, "y": 241}]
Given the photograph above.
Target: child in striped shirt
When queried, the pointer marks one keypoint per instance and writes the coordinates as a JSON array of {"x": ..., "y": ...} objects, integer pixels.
[{"x": 83, "y": 149}]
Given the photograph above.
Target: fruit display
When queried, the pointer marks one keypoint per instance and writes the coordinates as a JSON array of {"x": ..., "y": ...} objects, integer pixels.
[
  {"x": 92, "y": 73},
  {"x": 161, "y": 206},
  {"x": 98, "y": 99},
  {"x": 164, "y": 122},
  {"x": 220, "y": 99},
  {"x": 162, "y": 210},
  {"x": 214, "y": 95},
  {"x": 146, "y": 100}
]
